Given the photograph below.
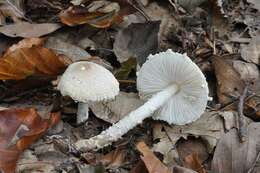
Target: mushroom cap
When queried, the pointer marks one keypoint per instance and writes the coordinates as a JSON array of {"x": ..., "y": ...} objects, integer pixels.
[
  {"x": 86, "y": 81},
  {"x": 167, "y": 68}
]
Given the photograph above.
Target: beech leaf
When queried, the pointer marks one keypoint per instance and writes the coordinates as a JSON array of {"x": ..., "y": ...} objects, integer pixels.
[
  {"x": 25, "y": 62},
  {"x": 152, "y": 163},
  {"x": 19, "y": 128},
  {"x": 28, "y": 30}
]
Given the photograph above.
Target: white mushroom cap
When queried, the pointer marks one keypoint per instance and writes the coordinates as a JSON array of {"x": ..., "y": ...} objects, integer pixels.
[
  {"x": 167, "y": 68},
  {"x": 86, "y": 81}
]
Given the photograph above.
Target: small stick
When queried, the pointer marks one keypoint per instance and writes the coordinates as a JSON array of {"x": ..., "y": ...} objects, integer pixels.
[{"x": 242, "y": 129}]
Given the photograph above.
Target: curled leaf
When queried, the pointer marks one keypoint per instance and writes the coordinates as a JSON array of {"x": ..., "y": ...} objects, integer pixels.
[
  {"x": 25, "y": 62},
  {"x": 19, "y": 128},
  {"x": 78, "y": 15},
  {"x": 152, "y": 163}
]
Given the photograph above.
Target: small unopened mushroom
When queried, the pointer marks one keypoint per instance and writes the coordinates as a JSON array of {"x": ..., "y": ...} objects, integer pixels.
[
  {"x": 87, "y": 82},
  {"x": 176, "y": 91}
]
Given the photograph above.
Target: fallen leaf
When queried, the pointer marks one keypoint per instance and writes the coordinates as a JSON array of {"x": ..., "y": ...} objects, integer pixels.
[
  {"x": 230, "y": 85},
  {"x": 179, "y": 169},
  {"x": 255, "y": 3},
  {"x": 138, "y": 40},
  {"x": 232, "y": 156},
  {"x": 19, "y": 129},
  {"x": 168, "y": 24},
  {"x": 192, "y": 162},
  {"x": 26, "y": 43},
  {"x": 248, "y": 71},
  {"x": 152, "y": 163},
  {"x": 192, "y": 148},
  {"x": 139, "y": 168},
  {"x": 114, "y": 159},
  {"x": 209, "y": 127},
  {"x": 71, "y": 51},
  {"x": 5, "y": 43},
  {"x": 79, "y": 15},
  {"x": 28, "y": 30},
  {"x": 251, "y": 52},
  {"x": 31, "y": 61},
  {"x": 2, "y": 19},
  {"x": 13, "y": 9},
  {"x": 190, "y": 5},
  {"x": 115, "y": 110}
]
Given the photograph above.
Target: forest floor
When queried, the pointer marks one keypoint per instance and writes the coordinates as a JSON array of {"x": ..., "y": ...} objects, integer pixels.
[{"x": 38, "y": 127}]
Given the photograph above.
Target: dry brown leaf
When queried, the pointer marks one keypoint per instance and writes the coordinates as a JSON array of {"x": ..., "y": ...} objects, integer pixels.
[
  {"x": 28, "y": 30},
  {"x": 114, "y": 159},
  {"x": 139, "y": 168},
  {"x": 192, "y": 162},
  {"x": 248, "y": 71},
  {"x": 209, "y": 127},
  {"x": 251, "y": 52},
  {"x": 190, "y": 146},
  {"x": 78, "y": 15},
  {"x": 74, "y": 52},
  {"x": 25, "y": 62},
  {"x": 255, "y": 3},
  {"x": 179, "y": 169},
  {"x": 152, "y": 163},
  {"x": 12, "y": 10},
  {"x": 138, "y": 40},
  {"x": 232, "y": 156},
  {"x": 115, "y": 110},
  {"x": 230, "y": 85},
  {"x": 20, "y": 128},
  {"x": 26, "y": 43}
]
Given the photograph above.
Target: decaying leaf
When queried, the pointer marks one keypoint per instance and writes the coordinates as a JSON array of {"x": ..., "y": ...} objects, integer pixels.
[
  {"x": 28, "y": 30},
  {"x": 251, "y": 52},
  {"x": 179, "y": 169},
  {"x": 78, "y": 15},
  {"x": 247, "y": 71},
  {"x": 26, "y": 43},
  {"x": 208, "y": 127},
  {"x": 152, "y": 163},
  {"x": 230, "y": 85},
  {"x": 255, "y": 3},
  {"x": 192, "y": 162},
  {"x": 114, "y": 159},
  {"x": 115, "y": 110},
  {"x": 190, "y": 4},
  {"x": 192, "y": 150},
  {"x": 138, "y": 40},
  {"x": 75, "y": 53},
  {"x": 13, "y": 9},
  {"x": 19, "y": 128},
  {"x": 31, "y": 61},
  {"x": 232, "y": 156}
]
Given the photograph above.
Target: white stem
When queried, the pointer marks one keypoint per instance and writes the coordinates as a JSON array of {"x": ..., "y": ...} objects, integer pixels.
[
  {"x": 82, "y": 114},
  {"x": 128, "y": 122}
]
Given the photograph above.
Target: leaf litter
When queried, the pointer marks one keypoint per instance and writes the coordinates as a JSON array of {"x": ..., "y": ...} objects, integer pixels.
[{"x": 40, "y": 39}]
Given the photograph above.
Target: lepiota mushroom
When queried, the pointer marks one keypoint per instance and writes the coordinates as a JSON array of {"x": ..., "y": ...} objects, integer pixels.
[
  {"x": 87, "y": 82},
  {"x": 176, "y": 92}
]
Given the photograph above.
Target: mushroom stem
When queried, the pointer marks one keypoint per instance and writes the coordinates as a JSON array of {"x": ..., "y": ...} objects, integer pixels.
[
  {"x": 128, "y": 122},
  {"x": 82, "y": 114}
]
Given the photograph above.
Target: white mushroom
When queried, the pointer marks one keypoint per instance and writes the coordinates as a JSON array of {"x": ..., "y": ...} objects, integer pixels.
[
  {"x": 87, "y": 82},
  {"x": 176, "y": 91}
]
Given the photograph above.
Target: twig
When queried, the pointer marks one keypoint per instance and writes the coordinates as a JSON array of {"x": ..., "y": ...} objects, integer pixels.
[{"x": 242, "y": 129}]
